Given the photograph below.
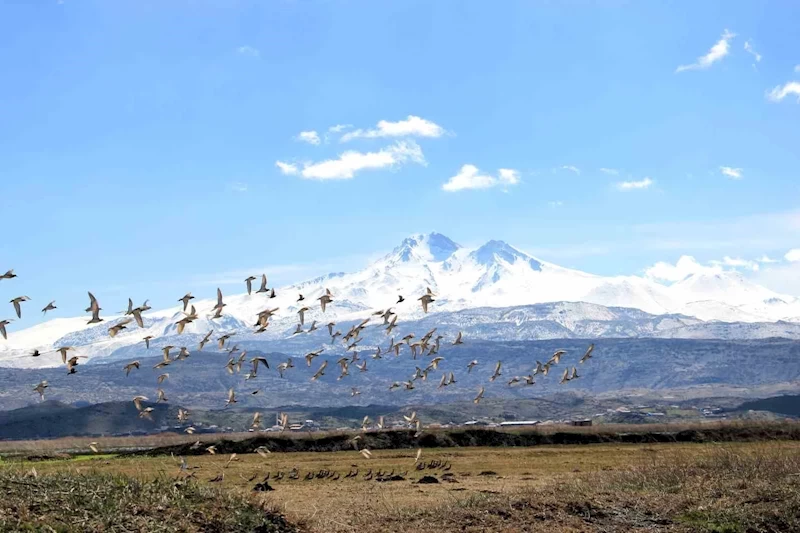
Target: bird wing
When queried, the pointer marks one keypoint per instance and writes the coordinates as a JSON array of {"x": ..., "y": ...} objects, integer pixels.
[{"x": 219, "y": 297}]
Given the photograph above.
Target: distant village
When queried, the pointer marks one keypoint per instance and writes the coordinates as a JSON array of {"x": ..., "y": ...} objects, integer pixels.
[{"x": 643, "y": 413}]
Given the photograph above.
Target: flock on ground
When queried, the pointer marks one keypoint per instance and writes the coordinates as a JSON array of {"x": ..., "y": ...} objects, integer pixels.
[{"x": 426, "y": 346}]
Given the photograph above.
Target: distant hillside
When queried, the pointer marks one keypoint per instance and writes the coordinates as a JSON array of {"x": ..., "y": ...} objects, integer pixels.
[
  {"x": 785, "y": 405},
  {"x": 618, "y": 367}
]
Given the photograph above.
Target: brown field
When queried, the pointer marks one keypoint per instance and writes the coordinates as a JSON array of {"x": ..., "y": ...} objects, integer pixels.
[{"x": 731, "y": 487}]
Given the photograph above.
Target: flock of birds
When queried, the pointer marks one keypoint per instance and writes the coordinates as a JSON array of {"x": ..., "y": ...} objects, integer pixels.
[{"x": 427, "y": 346}]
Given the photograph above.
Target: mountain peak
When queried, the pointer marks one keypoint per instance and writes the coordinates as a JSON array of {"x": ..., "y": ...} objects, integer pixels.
[
  {"x": 495, "y": 250},
  {"x": 425, "y": 246}
]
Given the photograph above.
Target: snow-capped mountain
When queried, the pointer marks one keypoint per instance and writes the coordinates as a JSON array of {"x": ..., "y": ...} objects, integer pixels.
[{"x": 495, "y": 275}]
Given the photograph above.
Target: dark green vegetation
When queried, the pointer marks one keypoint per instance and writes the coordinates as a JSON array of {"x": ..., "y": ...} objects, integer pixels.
[
  {"x": 405, "y": 439},
  {"x": 785, "y": 405},
  {"x": 68, "y": 502}
]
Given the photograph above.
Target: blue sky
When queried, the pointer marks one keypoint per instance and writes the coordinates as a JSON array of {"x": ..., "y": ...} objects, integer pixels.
[{"x": 139, "y": 139}]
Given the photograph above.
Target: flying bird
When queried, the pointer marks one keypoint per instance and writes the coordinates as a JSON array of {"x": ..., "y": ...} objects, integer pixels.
[
  {"x": 8, "y": 275},
  {"x": 49, "y": 307},
  {"x": 205, "y": 340},
  {"x": 220, "y": 303},
  {"x": 588, "y": 354},
  {"x": 471, "y": 364},
  {"x": 325, "y": 299},
  {"x": 249, "y": 282},
  {"x": 188, "y": 296},
  {"x": 400, "y": 299},
  {"x": 302, "y": 313},
  {"x": 479, "y": 397},
  {"x": 119, "y": 326},
  {"x": 147, "y": 341},
  {"x": 94, "y": 308},
  {"x": 63, "y": 351},
  {"x": 40, "y": 388},
  {"x": 458, "y": 340},
  {"x": 3, "y": 324},
  {"x": 137, "y": 401},
  {"x": 321, "y": 371},
  {"x": 496, "y": 373},
  {"x": 263, "y": 287},
  {"x": 16, "y": 302},
  {"x": 231, "y": 398},
  {"x": 130, "y": 366},
  {"x": 426, "y": 299}
]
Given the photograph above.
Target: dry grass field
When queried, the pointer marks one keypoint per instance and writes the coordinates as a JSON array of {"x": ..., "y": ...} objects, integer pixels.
[{"x": 731, "y": 487}]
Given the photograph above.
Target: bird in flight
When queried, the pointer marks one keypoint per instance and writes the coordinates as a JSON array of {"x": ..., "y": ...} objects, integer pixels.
[
  {"x": 188, "y": 296},
  {"x": 249, "y": 282},
  {"x": 479, "y": 397},
  {"x": 131, "y": 366},
  {"x": 3, "y": 324},
  {"x": 16, "y": 302},
  {"x": 94, "y": 308},
  {"x": 263, "y": 287},
  {"x": 588, "y": 354},
  {"x": 8, "y": 275},
  {"x": 49, "y": 307},
  {"x": 40, "y": 388},
  {"x": 426, "y": 299},
  {"x": 325, "y": 299}
]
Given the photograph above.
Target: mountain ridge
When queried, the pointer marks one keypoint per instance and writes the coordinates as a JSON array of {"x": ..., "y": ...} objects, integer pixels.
[{"x": 494, "y": 275}]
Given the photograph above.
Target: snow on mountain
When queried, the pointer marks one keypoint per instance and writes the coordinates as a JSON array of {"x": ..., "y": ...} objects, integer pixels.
[{"x": 495, "y": 275}]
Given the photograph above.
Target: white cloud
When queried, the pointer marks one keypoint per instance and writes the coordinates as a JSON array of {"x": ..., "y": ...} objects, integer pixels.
[
  {"x": 310, "y": 137},
  {"x": 797, "y": 68},
  {"x": 571, "y": 168},
  {"x": 782, "y": 91},
  {"x": 611, "y": 171},
  {"x": 633, "y": 185},
  {"x": 686, "y": 266},
  {"x": 412, "y": 126},
  {"x": 749, "y": 48},
  {"x": 289, "y": 169},
  {"x": 238, "y": 186},
  {"x": 555, "y": 204},
  {"x": 351, "y": 162},
  {"x": 339, "y": 128},
  {"x": 248, "y": 51},
  {"x": 737, "y": 263},
  {"x": 793, "y": 256},
  {"x": 766, "y": 259},
  {"x": 735, "y": 173},
  {"x": 469, "y": 177},
  {"x": 717, "y": 52}
]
